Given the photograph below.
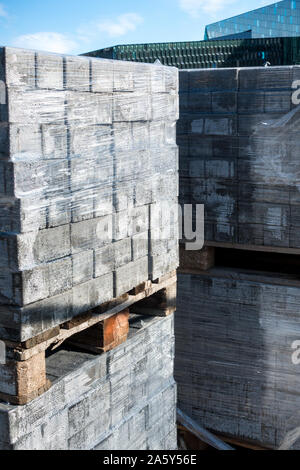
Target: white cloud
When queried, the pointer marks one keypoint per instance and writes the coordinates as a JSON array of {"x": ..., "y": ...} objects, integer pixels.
[
  {"x": 122, "y": 25},
  {"x": 195, "y": 7},
  {"x": 46, "y": 41},
  {"x": 2, "y": 10}
]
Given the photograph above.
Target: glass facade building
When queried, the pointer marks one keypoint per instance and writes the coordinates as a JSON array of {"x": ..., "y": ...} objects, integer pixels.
[{"x": 281, "y": 19}]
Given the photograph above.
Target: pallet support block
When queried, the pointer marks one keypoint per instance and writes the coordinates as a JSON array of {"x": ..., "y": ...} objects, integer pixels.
[
  {"x": 105, "y": 335},
  {"x": 201, "y": 260},
  {"x": 160, "y": 304},
  {"x": 23, "y": 381}
]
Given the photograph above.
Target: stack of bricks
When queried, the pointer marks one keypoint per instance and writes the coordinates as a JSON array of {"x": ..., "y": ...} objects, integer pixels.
[
  {"x": 123, "y": 400},
  {"x": 236, "y": 346},
  {"x": 88, "y": 152},
  {"x": 237, "y": 320},
  {"x": 88, "y": 157},
  {"x": 239, "y": 153}
]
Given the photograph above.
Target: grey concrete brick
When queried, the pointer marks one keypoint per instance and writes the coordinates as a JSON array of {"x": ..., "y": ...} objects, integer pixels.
[
  {"x": 22, "y": 215},
  {"x": 224, "y": 102},
  {"x": 92, "y": 294},
  {"x": 54, "y": 141},
  {"x": 140, "y": 244},
  {"x": 105, "y": 260},
  {"x": 165, "y": 106},
  {"x": 164, "y": 264},
  {"x": 144, "y": 192},
  {"x": 138, "y": 220},
  {"x": 83, "y": 266},
  {"x": 123, "y": 77},
  {"x": 257, "y": 78},
  {"x": 221, "y": 126},
  {"x": 32, "y": 108},
  {"x": 131, "y": 275},
  {"x": 26, "y": 250},
  {"x": 20, "y": 68},
  {"x": 251, "y": 102},
  {"x": 46, "y": 245},
  {"x": 158, "y": 80},
  {"x": 112, "y": 257},
  {"x": 131, "y": 107},
  {"x": 36, "y": 178},
  {"x": 277, "y": 102},
  {"x": 82, "y": 201},
  {"x": 51, "y": 435},
  {"x": 121, "y": 225},
  {"x": 102, "y": 76},
  {"x": 78, "y": 416},
  {"x": 197, "y": 126},
  {"x": 4, "y": 140},
  {"x": 213, "y": 80},
  {"x": 38, "y": 283},
  {"x": 123, "y": 196},
  {"x": 49, "y": 73},
  {"x": 199, "y": 102},
  {"x": 123, "y": 136},
  {"x": 103, "y": 200},
  {"x": 85, "y": 108},
  {"x": 91, "y": 234},
  {"x": 25, "y": 142},
  {"x": 140, "y": 135},
  {"x": 58, "y": 211},
  {"x": 77, "y": 73},
  {"x": 133, "y": 166}
]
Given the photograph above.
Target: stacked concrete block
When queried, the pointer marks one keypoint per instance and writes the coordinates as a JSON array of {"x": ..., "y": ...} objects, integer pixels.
[
  {"x": 87, "y": 147},
  {"x": 237, "y": 354},
  {"x": 124, "y": 399},
  {"x": 239, "y": 153}
]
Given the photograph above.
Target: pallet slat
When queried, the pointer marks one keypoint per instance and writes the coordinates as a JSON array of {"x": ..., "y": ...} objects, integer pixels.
[{"x": 23, "y": 377}]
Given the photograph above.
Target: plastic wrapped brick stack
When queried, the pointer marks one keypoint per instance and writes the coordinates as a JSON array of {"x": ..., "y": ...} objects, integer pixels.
[
  {"x": 239, "y": 153},
  {"x": 122, "y": 400},
  {"x": 88, "y": 151},
  {"x": 237, "y": 348},
  {"x": 237, "y": 320}
]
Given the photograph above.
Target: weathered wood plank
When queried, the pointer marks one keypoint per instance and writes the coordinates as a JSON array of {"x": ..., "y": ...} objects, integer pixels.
[{"x": 106, "y": 335}]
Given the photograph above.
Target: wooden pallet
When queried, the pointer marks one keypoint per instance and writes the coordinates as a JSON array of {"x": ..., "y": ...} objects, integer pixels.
[
  {"x": 23, "y": 376},
  {"x": 201, "y": 260},
  {"x": 241, "y": 443},
  {"x": 204, "y": 260},
  {"x": 189, "y": 441}
]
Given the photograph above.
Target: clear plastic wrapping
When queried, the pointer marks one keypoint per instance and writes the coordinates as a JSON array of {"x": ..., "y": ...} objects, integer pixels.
[
  {"x": 124, "y": 399},
  {"x": 237, "y": 355},
  {"x": 239, "y": 153},
  {"x": 88, "y": 150}
]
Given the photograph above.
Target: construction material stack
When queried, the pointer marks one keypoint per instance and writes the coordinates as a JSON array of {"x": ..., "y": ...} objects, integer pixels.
[
  {"x": 238, "y": 305},
  {"x": 88, "y": 157},
  {"x": 122, "y": 400}
]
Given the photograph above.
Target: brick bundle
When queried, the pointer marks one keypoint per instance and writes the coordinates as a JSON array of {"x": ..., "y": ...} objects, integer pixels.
[
  {"x": 236, "y": 346},
  {"x": 122, "y": 400},
  {"x": 88, "y": 151},
  {"x": 239, "y": 153}
]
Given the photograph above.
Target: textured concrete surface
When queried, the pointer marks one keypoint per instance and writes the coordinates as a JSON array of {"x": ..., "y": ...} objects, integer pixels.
[{"x": 124, "y": 399}]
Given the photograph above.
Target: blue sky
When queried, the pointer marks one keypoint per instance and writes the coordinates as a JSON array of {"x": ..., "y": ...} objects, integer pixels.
[{"x": 75, "y": 26}]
